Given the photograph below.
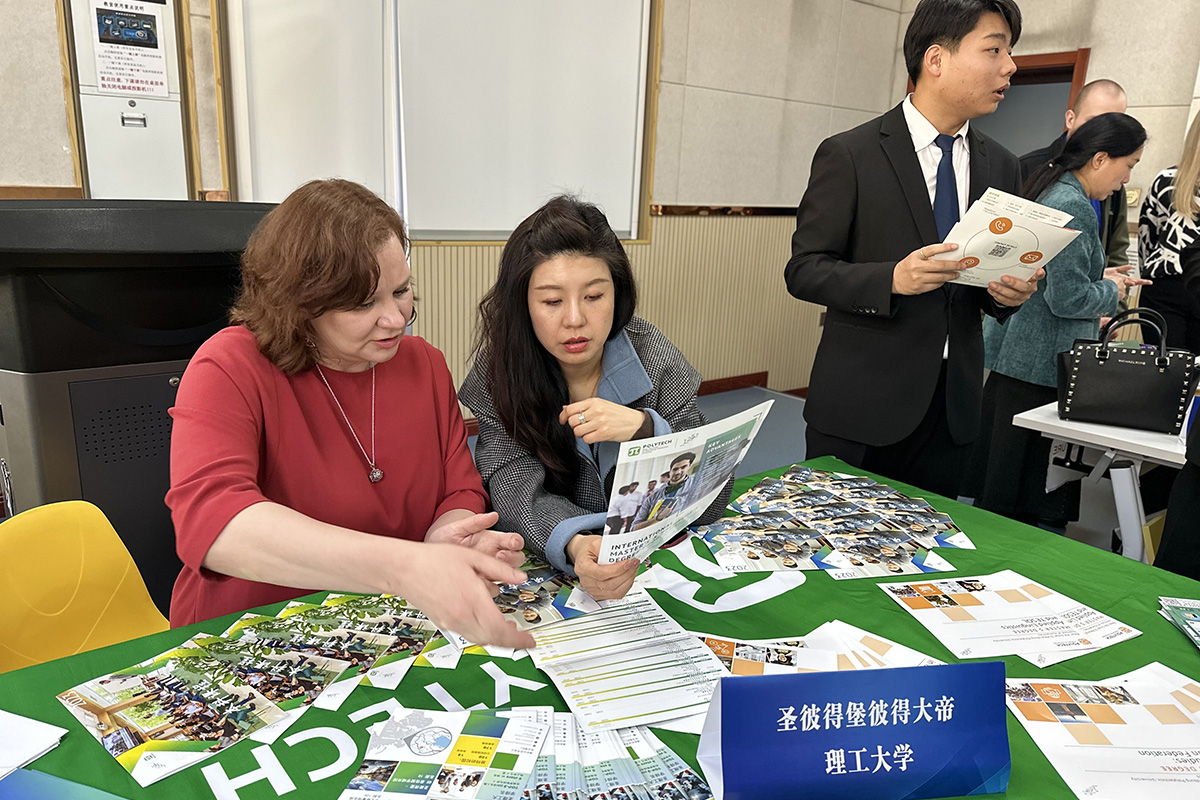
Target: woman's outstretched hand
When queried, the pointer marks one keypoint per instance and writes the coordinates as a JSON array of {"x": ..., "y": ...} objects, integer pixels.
[
  {"x": 475, "y": 532},
  {"x": 454, "y": 586}
]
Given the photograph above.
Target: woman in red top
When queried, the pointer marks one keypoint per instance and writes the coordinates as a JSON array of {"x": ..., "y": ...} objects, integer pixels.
[{"x": 315, "y": 446}]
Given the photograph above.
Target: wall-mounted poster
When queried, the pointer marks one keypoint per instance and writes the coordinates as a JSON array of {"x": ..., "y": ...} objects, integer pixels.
[{"x": 130, "y": 56}]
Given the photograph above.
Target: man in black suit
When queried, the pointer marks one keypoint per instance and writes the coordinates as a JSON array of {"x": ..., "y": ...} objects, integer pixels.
[
  {"x": 1095, "y": 98},
  {"x": 898, "y": 376}
]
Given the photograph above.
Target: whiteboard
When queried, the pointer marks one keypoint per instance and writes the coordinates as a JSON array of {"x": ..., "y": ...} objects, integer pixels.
[
  {"x": 506, "y": 104},
  {"x": 313, "y": 95},
  {"x": 465, "y": 116}
]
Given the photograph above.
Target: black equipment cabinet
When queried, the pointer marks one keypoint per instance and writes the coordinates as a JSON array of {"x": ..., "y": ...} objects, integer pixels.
[{"x": 102, "y": 303}]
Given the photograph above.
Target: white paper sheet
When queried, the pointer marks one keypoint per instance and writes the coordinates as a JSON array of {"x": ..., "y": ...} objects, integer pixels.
[
  {"x": 24, "y": 740},
  {"x": 1006, "y": 614},
  {"x": 628, "y": 664},
  {"x": 453, "y": 754},
  {"x": 1115, "y": 739}
]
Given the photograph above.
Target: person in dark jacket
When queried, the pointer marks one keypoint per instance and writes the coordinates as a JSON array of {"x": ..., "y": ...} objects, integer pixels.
[
  {"x": 1179, "y": 550},
  {"x": 898, "y": 375}
]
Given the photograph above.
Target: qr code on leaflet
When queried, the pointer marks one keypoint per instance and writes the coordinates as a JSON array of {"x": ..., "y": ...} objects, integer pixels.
[{"x": 1000, "y": 250}]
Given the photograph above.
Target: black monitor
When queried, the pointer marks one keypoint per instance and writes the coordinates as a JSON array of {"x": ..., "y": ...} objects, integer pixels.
[{"x": 92, "y": 283}]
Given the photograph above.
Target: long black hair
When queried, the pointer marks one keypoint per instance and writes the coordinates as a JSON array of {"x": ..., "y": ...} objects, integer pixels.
[
  {"x": 525, "y": 381},
  {"x": 1116, "y": 134}
]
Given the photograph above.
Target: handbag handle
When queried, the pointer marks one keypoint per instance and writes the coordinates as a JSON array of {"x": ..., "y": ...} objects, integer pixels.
[
  {"x": 1141, "y": 311},
  {"x": 1160, "y": 359},
  {"x": 1148, "y": 313}
]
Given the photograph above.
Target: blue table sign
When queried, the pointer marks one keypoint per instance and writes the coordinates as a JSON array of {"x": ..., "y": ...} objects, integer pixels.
[{"x": 889, "y": 734}]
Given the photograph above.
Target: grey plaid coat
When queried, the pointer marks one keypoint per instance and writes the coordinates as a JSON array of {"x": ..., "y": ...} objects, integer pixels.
[{"x": 641, "y": 370}]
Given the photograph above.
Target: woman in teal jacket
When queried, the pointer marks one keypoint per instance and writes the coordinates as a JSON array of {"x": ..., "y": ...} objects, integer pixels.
[{"x": 1008, "y": 471}]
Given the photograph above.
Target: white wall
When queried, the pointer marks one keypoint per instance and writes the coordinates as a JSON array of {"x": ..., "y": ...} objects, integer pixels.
[
  {"x": 749, "y": 88},
  {"x": 35, "y": 149},
  {"x": 1195, "y": 99}
]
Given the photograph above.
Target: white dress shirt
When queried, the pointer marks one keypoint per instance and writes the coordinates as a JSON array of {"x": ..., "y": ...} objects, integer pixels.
[
  {"x": 629, "y": 504},
  {"x": 924, "y": 137}
]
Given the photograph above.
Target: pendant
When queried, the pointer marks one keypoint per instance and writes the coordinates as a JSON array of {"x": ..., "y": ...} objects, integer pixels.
[{"x": 375, "y": 475}]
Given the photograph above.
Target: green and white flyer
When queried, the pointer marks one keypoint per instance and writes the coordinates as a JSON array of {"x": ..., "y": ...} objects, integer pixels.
[
  {"x": 463, "y": 755},
  {"x": 169, "y": 712}
]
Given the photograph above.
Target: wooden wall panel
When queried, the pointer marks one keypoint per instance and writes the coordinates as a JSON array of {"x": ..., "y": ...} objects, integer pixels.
[{"x": 713, "y": 285}]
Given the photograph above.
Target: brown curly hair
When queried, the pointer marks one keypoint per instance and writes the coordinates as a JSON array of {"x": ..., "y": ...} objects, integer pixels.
[{"x": 313, "y": 253}]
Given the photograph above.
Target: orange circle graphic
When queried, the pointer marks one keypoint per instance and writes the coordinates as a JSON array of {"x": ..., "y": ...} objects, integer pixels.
[
  {"x": 1000, "y": 225},
  {"x": 1032, "y": 257},
  {"x": 970, "y": 261}
]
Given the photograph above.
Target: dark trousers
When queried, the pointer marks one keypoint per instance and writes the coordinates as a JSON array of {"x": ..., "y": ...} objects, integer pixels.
[
  {"x": 927, "y": 458},
  {"x": 1169, "y": 297},
  {"x": 1179, "y": 551},
  {"x": 1006, "y": 472}
]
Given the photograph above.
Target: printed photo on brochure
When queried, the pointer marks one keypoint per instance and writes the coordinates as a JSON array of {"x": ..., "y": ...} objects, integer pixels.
[{"x": 689, "y": 469}]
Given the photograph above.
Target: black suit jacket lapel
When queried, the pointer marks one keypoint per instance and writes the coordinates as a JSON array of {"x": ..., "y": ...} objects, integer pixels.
[
  {"x": 896, "y": 141},
  {"x": 981, "y": 173}
]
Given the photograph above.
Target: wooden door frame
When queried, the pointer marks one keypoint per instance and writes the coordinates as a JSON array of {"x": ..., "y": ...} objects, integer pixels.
[
  {"x": 1051, "y": 68},
  {"x": 1054, "y": 68}
]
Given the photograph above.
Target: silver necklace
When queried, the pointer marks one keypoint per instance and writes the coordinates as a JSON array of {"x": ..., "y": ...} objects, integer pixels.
[{"x": 376, "y": 474}]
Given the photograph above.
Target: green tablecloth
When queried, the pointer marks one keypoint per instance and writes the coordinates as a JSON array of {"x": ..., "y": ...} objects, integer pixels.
[{"x": 1115, "y": 585}]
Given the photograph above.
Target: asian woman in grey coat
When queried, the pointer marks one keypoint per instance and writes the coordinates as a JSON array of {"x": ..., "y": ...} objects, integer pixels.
[
  {"x": 1008, "y": 466},
  {"x": 563, "y": 373}
]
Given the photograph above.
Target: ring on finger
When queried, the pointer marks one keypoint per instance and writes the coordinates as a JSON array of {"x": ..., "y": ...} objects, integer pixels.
[{"x": 582, "y": 419}]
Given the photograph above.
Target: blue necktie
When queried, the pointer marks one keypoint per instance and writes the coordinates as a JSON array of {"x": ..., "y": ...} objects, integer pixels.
[{"x": 945, "y": 194}]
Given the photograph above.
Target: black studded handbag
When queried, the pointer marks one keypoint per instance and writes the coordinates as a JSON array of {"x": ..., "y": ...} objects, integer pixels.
[{"x": 1135, "y": 387}]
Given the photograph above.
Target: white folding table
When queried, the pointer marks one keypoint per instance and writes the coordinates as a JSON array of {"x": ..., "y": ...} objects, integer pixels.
[{"x": 1119, "y": 452}]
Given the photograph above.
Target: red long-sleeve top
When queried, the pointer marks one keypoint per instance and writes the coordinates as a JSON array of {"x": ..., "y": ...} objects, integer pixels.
[{"x": 245, "y": 433}]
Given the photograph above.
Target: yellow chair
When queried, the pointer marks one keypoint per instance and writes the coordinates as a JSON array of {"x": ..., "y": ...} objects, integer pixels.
[{"x": 68, "y": 585}]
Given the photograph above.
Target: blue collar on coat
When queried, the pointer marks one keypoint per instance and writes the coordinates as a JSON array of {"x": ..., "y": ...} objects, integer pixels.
[{"x": 623, "y": 379}]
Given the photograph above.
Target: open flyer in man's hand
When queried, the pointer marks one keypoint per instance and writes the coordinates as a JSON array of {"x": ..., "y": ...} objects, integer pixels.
[{"x": 1002, "y": 234}]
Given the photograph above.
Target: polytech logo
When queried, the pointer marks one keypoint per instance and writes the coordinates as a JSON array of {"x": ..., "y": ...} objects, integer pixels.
[{"x": 652, "y": 447}]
